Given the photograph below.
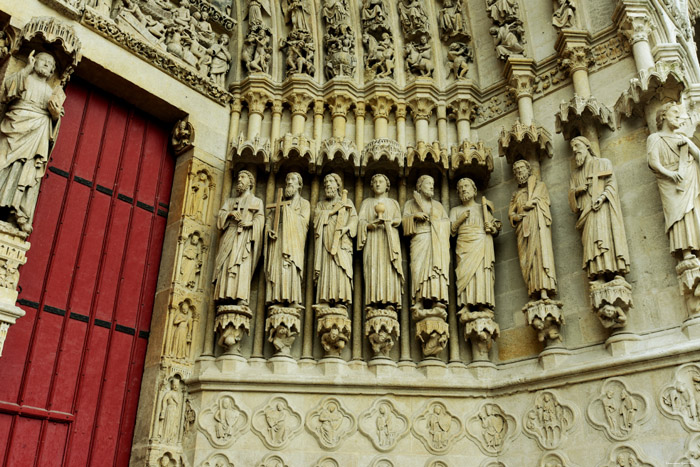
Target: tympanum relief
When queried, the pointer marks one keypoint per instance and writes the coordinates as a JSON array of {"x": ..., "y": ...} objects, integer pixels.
[
  {"x": 286, "y": 227},
  {"x": 492, "y": 429},
  {"x": 618, "y": 411},
  {"x": 299, "y": 44},
  {"x": 241, "y": 220},
  {"x": 383, "y": 424},
  {"x": 437, "y": 428},
  {"x": 549, "y": 421},
  {"x": 223, "y": 421},
  {"x": 681, "y": 398},
  {"x": 508, "y": 32},
  {"x": 257, "y": 48},
  {"x": 330, "y": 423},
  {"x": 427, "y": 225},
  {"x": 474, "y": 227},
  {"x": 277, "y": 423}
]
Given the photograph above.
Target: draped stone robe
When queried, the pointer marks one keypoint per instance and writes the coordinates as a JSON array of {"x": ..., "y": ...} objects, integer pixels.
[
  {"x": 534, "y": 236},
  {"x": 239, "y": 248},
  {"x": 27, "y": 133},
  {"x": 475, "y": 273},
  {"x": 681, "y": 202},
  {"x": 334, "y": 271},
  {"x": 430, "y": 248},
  {"x": 602, "y": 231},
  {"x": 284, "y": 257},
  {"x": 381, "y": 252}
]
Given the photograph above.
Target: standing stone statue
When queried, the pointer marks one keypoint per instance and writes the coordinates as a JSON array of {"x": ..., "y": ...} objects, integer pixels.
[
  {"x": 28, "y": 131},
  {"x": 241, "y": 219},
  {"x": 335, "y": 224},
  {"x": 529, "y": 214},
  {"x": 674, "y": 160},
  {"x": 593, "y": 195},
  {"x": 474, "y": 226},
  {"x": 286, "y": 227},
  {"x": 170, "y": 411},
  {"x": 426, "y": 222},
  {"x": 378, "y": 237}
]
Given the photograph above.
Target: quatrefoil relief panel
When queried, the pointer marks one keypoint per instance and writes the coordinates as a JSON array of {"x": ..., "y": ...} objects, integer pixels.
[
  {"x": 330, "y": 423},
  {"x": 624, "y": 455},
  {"x": 383, "y": 424},
  {"x": 680, "y": 399},
  {"x": 555, "y": 459},
  {"x": 437, "y": 428},
  {"x": 492, "y": 429},
  {"x": 549, "y": 421},
  {"x": 617, "y": 410},
  {"x": 277, "y": 423},
  {"x": 223, "y": 422}
]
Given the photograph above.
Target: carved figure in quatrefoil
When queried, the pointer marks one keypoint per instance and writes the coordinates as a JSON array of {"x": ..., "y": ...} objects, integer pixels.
[
  {"x": 491, "y": 428},
  {"x": 681, "y": 398},
  {"x": 549, "y": 420},
  {"x": 276, "y": 423},
  {"x": 330, "y": 423},
  {"x": 617, "y": 411},
  {"x": 624, "y": 455},
  {"x": 223, "y": 422},
  {"x": 383, "y": 424},
  {"x": 437, "y": 428}
]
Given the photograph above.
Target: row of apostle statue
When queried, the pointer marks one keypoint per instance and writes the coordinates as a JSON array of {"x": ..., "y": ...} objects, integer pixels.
[{"x": 280, "y": 229}]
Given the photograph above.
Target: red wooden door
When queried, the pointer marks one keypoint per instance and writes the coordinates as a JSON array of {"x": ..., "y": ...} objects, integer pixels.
[{"x": 71, "y": 369}]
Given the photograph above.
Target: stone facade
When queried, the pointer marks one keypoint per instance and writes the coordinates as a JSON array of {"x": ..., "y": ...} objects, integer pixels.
[{"x": 535, "y": 351}]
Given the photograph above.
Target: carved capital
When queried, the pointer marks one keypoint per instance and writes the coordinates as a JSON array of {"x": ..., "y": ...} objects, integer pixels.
[
  {"x": 299, "y": 103},
  {"x": 422, "y": 107},
  {"x": 520, "y": 75},
  {"x": 401, "y": 110},
  {"x": 236, "y": 105},
  {"x": 340, "y": 105},
  {"x": 256, "y": 100},
  {"x": 277, "y": 107},
  {"x": 636, "y": 28},
  {"x": 463, "y": 109},
  {"x": 381, "y": 106},
  {"x": 360, "y": 110},
  {"x": 521, "y": 85},
  {"x": 319, "y": 107},
  {"x": 574, "y": 58}
]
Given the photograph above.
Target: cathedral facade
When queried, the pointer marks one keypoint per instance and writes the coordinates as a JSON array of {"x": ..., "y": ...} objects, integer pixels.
[{"x": 341, "y": 233}]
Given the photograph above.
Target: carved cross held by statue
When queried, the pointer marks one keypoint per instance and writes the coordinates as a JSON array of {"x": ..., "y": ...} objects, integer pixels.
[
  {"x": 597, "y": 184},
  {"x": 278, "y": 209}
]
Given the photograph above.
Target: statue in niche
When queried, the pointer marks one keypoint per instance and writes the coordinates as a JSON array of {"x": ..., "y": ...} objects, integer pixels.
[
  {"x": 459, "y": 55},
  {"x": 374, "y": 15},
  {"x": 221, "y": 58},
  {"x": 284, "y": 257},
  {"x": 593, "y": 195},
  {"x": 169, "y": 415},
  {"x": 379, "y": 55},
  {"x": 378, "y": 237},
  {"x": 276, "y": 418},
  {"x": 474, "y": 226},
  {"x": 199, "y": 196},
  {"x": 414, "y": 19},
  {"x": 564, "y": 14},
  {"x": 241, "y": 219},
  {"x": 225, "y": 419},
  {"x": 335, "y": 225},
  {"x": 502, "y": 11},
  {"x": 419, "y": 57},
  {"x": 531, "y": 218},
  {"x": 191, "y": 264},
  {"x": 181, "y": 340},
  {"x": 451, "y": 18},
  {"x": 507, "y": 38},
  {"x": 28, "y": 130}
]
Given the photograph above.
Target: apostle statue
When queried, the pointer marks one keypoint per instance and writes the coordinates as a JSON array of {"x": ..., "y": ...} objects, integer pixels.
[
  {"x": 241, "y": 219},
  {"x": 28, "y": 131},
  {"x": 286, "y": 227},
  {"x": 426, "y": 223},
  {"x": 335, "y": 224},
  {"x": 378, "y": 237}
]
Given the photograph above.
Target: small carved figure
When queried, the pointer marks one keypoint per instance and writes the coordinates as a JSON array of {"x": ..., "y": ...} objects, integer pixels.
[
  {"x": 507, "y": 38},
  {"x": 330, "y": 420},
  {"x": 191, "y": 264},
  {"x": 9, "y": 274},
  {"x": 529, "y": 214},
  {"x": 414, "y": 19},
  {"x": 419, "y": 61},
  {"x": 451, "y": 18},
  {"x": 276, "y": 418},
  {"x": 334, "y": 340},
  {"x": 241, "y": 219},
  {"x": 382, "y": 342},
  {"x": 182, "y": 331},
  {"x": 170, "y": 412},
  {"x": 255, "y": 10},
  {"x": 199, "y": 196},
  {"x": 257, "y": 51},
  {"x": 374, "y": 15},
  {"x": 502, "y": 11},
  {"x": 611, "y": 410},
  {"x": 494, "y": 427},
  {"x": 335, "y": 225},
  {"x": 628, "y": 410},
  {"x": 28, "y": 130},
  {"x": 221, "y": 59},
  {"x": 385, "y": 426},
  {"x": 4, "y": 44},
  {"x": 439, "y": 422},
  {"x": 459, "y": 55},
  {"x": 225, "y": 417},
  {"x": 295, "y": 12},
  {"x": 564, "y": 14},
  {"x": 300, "y": 54},
  {"x": 379, "y": 55},
  {"x": 286, "y": 239}
]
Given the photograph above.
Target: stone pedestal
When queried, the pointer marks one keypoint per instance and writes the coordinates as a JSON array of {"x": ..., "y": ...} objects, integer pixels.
[
  {"x": 13, "y": 254},
  {"x": 546, "y": 318},
  {"x": 232, "y": 323},
  {"x": 432, "y": 329},
  {"x": 480, "y": 329},
  {"x": 611, "y": 301},
  {"x": 334, "y": 328},
  {"x": 382, "y": 330},
  {"x": 282, "y": 326},
  {"x": 688, "y": 271}
]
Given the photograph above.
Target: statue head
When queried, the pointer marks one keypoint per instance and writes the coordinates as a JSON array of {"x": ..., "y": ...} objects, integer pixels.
[
  {"x": 185, "y": 307},
  {"x": 44, "y": 64},
  {"x": 426, "y": 186},
  {"x": 194, "y": 238},
  {"x": 466, "y": 188},
  {"x": 294, "y": 183},
  {"x": 582, "y": 148},
  {"x": 672, "y": 114},
  {"x": 244, "y": 182},
  {"x": 332, "y": 185},
  {"x": 522, "y": 171},
  {"x": 380, "y": 184},
  {"x": 175, "y": 384}
]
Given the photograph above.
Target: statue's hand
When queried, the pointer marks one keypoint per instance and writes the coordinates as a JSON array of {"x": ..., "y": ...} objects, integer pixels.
[
  {"x": 676, "y": 177},
  {"x": 529, "y": 206},
  {"x": 598, "y": 203},
  {"x": 236, "y": 216},
  {"x": 31, "y": 59},
  {"x": 683, "y": 141},
  {"x": 272, "y": 235},
  {"x": 371, "y": 226},
  {"x": 54, "y": 109}
]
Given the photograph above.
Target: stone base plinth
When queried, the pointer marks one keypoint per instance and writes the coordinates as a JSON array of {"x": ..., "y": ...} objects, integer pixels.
[
  {"x": 232, "y": 323},
  {"x": 621, "y": 343},
  {"x": 382, "y": 329},
  {"x": 334, "y": 328},
  {"x": 282, "y": 327},
  {"x": 546, "y": 318}
]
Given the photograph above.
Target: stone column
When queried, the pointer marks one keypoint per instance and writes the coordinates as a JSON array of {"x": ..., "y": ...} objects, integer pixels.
[
  {"x": 520, "y": 74},
  {"x": 401, "y": 125},
  {"x": 381, "y": 108},
  {"x": 360, "y": 126},
  {"x": 633, "y": 21},
  {"x": 463, "y": 113},
  {"x": 276, "y": 120},
  {"x": 300, "y": 106},
  {"x": 307, "y": 352},
  {"x": 404, "y": 318},
  {"x": 357, "y": 334},
  {"x": 339, "y": 104},
  {"x": 235, "y": 120},
  {"x": 442, "y": 125},
  {"x": 422, "y": 109},
  {"x": 256, "y": 101}
]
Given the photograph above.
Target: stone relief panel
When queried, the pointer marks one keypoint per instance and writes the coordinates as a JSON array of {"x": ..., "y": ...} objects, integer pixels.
[
  {"x": 556, "y": 459},
  {"x": 272, "y": 460},
  {"x": 549, "y": 421},
  {"x": 200, "y": 189},
  {"x": 223, "y": 422},
  {"x": 381, "y": 462},
  {"x": 327, "y": 462},
  {"x": 277, "y": 423},
  {"x": 691, "y": 457},
  {"x": 170, "y": 412},
  {"x": 383, "y": 424},
  {"x": 491, "y": 429},
  {"x": 437, "y": 428},
  {"x": 330, "y": 423},
  {"x": 624, "y": 455},
  {"x": 217, "y": 460},
  {"x": 181, "y": 322},
  {"x": 681, "y": 398},
  {"x": 617, "y": 411},
  {"x": 193, "y": 248}
]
